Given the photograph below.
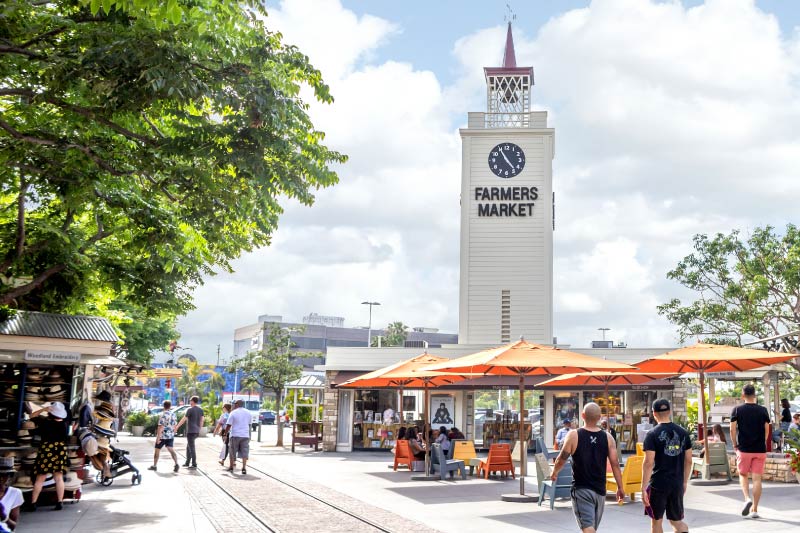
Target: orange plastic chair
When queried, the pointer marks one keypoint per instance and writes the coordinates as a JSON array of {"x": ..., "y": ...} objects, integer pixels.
[
  {"x": 402, "y": 454},
  {"x": 640, "y": 449},
  {"x": 499, "y": 460}
]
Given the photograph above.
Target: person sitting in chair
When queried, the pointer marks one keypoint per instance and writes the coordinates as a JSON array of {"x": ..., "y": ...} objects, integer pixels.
[{"x": 417, "y": 449}]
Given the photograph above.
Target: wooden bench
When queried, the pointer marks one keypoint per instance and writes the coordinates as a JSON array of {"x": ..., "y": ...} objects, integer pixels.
[{"x": 309, "y": 433}]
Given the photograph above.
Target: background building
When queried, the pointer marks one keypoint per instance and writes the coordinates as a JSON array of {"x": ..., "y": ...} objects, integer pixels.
[{"x": 317, "y": 336}]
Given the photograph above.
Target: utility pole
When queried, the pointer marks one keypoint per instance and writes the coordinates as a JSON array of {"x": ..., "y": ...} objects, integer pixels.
[{"x": 218, "y": 346}]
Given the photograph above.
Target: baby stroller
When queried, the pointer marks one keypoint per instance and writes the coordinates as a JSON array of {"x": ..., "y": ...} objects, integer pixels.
[{"x": 120, "y": 465}]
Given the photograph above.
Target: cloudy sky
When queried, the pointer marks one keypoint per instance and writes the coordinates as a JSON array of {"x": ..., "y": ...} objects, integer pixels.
[{"x": 671, "y": 119}]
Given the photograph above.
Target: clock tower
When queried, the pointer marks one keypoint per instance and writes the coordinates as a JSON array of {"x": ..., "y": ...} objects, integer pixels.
[{"x": 506, "y": 286}]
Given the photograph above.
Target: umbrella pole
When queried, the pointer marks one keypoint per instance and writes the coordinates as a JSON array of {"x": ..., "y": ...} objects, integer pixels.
[
  {"x": 425, "y": 436},
  {"x": 607, "y": 400},
  {"x": 702, "y": 412},
  {"x": 521, "y": 497},
  {"x": 523, "y": 457}
]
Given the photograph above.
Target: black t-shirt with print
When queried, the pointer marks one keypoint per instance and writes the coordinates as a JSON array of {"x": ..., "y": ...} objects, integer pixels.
[
  {"x": 669, "y": 442},
  {"x": 750, "y": 432}
]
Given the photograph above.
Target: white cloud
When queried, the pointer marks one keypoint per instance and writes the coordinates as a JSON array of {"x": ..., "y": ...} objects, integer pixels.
[{"x": 669, "y": 121}]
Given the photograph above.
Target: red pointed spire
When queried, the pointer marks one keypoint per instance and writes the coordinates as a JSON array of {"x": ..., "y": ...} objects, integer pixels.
[{"x": 509, "y": 57}]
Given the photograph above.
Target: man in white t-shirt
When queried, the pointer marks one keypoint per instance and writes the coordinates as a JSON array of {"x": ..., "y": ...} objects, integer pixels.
[{"x": 238, "y": 427}]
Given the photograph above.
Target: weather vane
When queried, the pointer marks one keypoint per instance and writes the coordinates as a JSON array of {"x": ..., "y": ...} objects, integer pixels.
[{"x": 510, "y": 15}]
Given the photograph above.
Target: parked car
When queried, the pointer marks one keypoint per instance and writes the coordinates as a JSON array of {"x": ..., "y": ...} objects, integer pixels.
[
  {"x": 156, "y": 410},
  {"x": 266, "y": 417}
]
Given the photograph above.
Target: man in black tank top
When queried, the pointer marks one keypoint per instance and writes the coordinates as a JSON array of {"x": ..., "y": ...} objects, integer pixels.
[{"x": 590, "y": 448}]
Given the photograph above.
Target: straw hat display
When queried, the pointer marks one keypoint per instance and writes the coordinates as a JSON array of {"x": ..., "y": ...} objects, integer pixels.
[
  {"x": 72, "y": 482},
  {"x": 23, "y": 481},
  {"x": 103, "y": 444},
  {"x": 99, "y": 460},
  {"x": 102, "y": 426},
  {"x": 104, "y": 410},
  {"x": 7, "y": 465}
]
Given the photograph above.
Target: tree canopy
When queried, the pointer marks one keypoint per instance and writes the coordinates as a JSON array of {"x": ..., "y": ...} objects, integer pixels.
[
  {"x": 746, "y": 288},
  {"x": 396, "y": 334},
  {"x": 144, "y": 145}
]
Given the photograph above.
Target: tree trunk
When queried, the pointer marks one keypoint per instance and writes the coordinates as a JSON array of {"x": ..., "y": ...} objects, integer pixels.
[{"x": 279, "y": 425}]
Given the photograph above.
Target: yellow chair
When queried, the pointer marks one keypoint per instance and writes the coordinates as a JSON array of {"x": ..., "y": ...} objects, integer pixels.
[
  {"x": 464, "y": 450},
  {"x": 640, "y": 449},
  {"x": 631, "y": 477}
]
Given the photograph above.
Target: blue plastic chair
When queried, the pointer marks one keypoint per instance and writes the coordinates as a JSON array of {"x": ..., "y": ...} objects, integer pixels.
[
  {"x": 446, "y": 466},
  {"x": 560, "y": 488},
  {"x": 542, "y": 448}
]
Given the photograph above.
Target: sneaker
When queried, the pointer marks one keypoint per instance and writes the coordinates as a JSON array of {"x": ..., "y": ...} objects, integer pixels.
[
  {"x": 153, "y": 468},
  {"x": 192, "y": 467},
  {"x": 28, "y": 507},
  {"x": 746, "y": 509},
  {"x": 176, "y": 468},
  {"x": 230, "y": 469},
  {"x": 244, "y": 471},
  {"x": 754, "y": 514},
  {"x": 58, "y": 506}
]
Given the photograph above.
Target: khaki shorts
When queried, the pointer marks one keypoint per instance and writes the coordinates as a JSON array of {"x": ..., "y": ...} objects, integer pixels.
[{"x": 239, "y": 447}]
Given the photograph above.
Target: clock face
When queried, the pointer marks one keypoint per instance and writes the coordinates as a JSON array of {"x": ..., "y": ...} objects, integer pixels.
[{"x": 506, "y": 160}]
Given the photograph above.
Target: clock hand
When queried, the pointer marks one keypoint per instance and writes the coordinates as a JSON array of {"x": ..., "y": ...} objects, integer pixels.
[{"x": 504, "y": 157}]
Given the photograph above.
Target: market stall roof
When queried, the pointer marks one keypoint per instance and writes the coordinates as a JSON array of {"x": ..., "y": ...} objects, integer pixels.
[
  {"x": 309, "y": 381},
  {"x": 54, "y": 326}
]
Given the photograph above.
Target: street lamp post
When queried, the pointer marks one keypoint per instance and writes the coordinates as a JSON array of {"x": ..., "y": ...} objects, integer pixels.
[
  {"x": 604, "y": 331},
  {"x": 369, "y": 327}
]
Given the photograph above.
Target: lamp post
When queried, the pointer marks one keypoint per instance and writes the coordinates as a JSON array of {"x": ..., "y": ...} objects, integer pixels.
[
  {"x": 604, "y": 331},
  {"x": 369, "y": 327}
]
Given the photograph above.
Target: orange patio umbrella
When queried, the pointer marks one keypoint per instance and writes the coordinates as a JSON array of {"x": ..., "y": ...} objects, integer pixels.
[
  {"x": 522, "y": 358},
  {"x": 605, "y": 379},
  {"x": 703, "y": 358},
  {"x": 409, "y": 374}
]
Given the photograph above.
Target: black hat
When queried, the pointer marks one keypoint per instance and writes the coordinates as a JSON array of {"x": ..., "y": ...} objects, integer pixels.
[
  {"x": 104, "y": 396},
  {"x": 661, "y": 405}
]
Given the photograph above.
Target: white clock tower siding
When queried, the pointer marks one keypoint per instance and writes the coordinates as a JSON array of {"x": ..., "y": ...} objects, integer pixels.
[{"x": 507, "y": 223}]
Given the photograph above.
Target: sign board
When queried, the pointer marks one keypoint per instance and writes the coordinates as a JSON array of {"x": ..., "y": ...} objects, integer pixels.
[
  {"x": 640, "y": 387},
  {"x": 720, "y": 374},
  {"x": 42, "y": 356}
]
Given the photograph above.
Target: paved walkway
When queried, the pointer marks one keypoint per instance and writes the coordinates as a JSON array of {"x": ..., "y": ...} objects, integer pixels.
[{"x": 362, "y": 484}]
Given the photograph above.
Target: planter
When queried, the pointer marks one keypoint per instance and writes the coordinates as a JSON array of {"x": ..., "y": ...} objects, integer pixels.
[
  {"x": 137, "y": 431},
  {"x": 797, "y": 475},
  {"x": 203, "y": 431}
]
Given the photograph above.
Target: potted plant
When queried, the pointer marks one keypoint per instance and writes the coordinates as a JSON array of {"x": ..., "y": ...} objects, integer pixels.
[
  {"x": 793, "y": 440},
  {"x": 137, "y": 422}
]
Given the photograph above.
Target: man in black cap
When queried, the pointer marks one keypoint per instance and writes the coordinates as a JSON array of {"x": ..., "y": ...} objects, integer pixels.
[
  {"x": 666, "y": 470},
  {"x": 749, "y": 430}
]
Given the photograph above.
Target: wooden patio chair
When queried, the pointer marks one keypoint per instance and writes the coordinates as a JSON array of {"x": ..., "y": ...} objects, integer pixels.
[
  {"x": 446, "y": 466},
  {"x": 560, "y": 488},
  {"x": 499, "y": 460},
  {"x": 465, "y": 451},
  {"x": 715, "y": 462},
  {"x": 541, "y": 447},
  {"x": 631, "y": 477},
  {"x": 402, "y": 454},
  {"x": 543, "y": 470}
]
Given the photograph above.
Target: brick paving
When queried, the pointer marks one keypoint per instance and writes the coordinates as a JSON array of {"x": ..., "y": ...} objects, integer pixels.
[{"x": 286, "y": 509}]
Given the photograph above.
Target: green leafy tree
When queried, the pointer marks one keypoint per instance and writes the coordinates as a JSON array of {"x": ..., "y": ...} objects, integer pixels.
[
  {"x": 745, "y": 288},
  {"x": 270, "y": 368},
  {"x": 396, "y": 334},
  {"x": 214, "y": 384},
  {"x": 188, "y": 384},
  {"x": 145, "y": 145}
]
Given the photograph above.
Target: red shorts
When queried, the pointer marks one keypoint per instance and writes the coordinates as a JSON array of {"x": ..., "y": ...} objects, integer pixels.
[{"x": 750, "y": 462}]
